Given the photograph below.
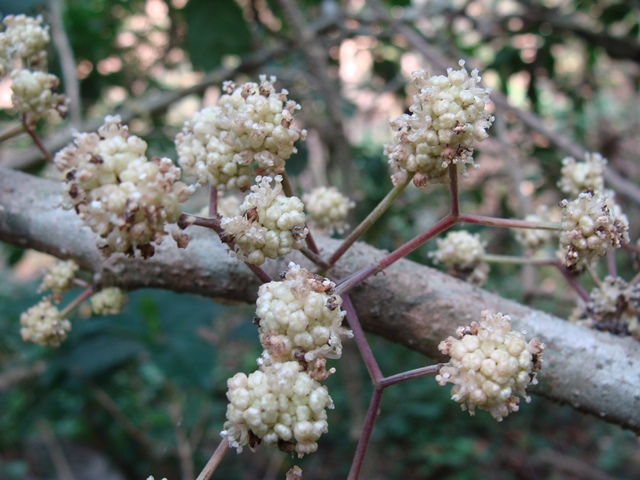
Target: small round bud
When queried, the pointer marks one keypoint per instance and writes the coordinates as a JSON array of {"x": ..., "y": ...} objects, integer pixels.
[
  {"x": 59, "y": 276},
  {"x": 24, "y": 38},
  {"x": 108, "y": 301},
  {"x": 124, "y": 197},
  {"x": 580, "y": 176},
  {"x": 42, "y": 324},
  {"x": 271, "y": 224},
  {"x": 279, "y": 405},
  {"x": 35, "y": 94},
  {"x": 252, "y": 123},
  {"x": 300, "y": 319},
  {"x": 461, "y": 253},
  {"x": 614, "y": 307},
  {"x": 327, "y": 208},
  {"x": 592, "y": 225},
  {"x": 490, "y": 369},
  {"x": 447, "y": 115},
  {"x": 534, "y": 239}
]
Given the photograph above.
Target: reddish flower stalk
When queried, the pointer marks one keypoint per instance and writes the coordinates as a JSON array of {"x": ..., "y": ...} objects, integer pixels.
[{"x": 365, "y": 436}]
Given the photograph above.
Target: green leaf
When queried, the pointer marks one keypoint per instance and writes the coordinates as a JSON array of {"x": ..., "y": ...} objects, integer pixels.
[
  {"x": 28, "y": 7},
  {"x": 215, "y": 29}
]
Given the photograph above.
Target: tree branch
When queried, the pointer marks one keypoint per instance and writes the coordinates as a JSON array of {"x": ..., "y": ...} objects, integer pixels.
[{"x": 411, "y": 304}]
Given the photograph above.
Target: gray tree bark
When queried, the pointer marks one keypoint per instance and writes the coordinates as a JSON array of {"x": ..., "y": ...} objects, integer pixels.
[{"x": 409, "y": 303}]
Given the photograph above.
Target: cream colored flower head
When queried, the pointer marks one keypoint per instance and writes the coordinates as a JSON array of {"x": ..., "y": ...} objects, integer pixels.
[
  {"x": 327, "y": 208},
  {"x": 35, "y": 94},
  {"x": 124, "y": 197},
  {"x": 270, "y": 226},
  {"x": 251, "y": 124},
  {"x": 448, "y": 115},
  {"x": 300, "y": 318},
  {"x": 592, "y": 226},
  {"x": 59, "y": 277},
  {"x": 278, "y": 405},
  {"x": 108, "y": 301},
  {"x": 534, "y": 239},
  {"x": 613, "y": 306},
  {"x": 576, "y": 177},
  {"x": 490, "y": 364},
  {"x": 461, "y": 253},
  {"x": 43, "y": 324},
  {"x": 24, "y": 38}
]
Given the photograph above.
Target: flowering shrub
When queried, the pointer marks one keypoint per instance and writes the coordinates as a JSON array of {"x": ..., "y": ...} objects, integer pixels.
[{"x": 243, "y": 146}]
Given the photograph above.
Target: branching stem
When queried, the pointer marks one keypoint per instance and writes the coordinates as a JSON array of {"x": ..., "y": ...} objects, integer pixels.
[
  {"x": 375, "y": 214},
  {"x": 36, "y": 140},
  {"x": 361, "y": 341},
  {"x": 365, "y": 436},
  {"x": 438, "y": 227},
  {"x": 411, "y": 374},
  {"x": 509, "y": 222},
  {"x": 86, "y": 293}
]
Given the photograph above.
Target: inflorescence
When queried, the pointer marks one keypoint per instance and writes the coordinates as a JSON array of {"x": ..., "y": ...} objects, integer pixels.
[
  {"x": 490, "y": 364},
  {"x": 448, "y": 115},
  {"x": 121, "y": 195},
  {"x": 300, "y": 324},
  {"x": 251, "y": 124},
  {"x": 23, "y": 58}
]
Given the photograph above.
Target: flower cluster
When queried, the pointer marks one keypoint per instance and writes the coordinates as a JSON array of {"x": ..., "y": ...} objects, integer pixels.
[
  {"x": 124, "y": 197},
  {"x": 59, "y": 276},
  {"x": 490, "y": 364},
  {"x": 580, "y": 176},
  {"x": 327, "y": 208},
  {"x": 43, "y": 324},
  {"x": 447, "y": 115},
  {"x": 533, "y": 239},
  {"x": 614, "y": 307},
  {"x": 461, "y": 253},
  {"x": 252, "y": 123},
  {"x": 279, "y": 404},
  {"x": 35, "y": 92},
  {"x": 592, "y": 225},
  {"x": 25, "y": 39},
  {"x": 271, "y": 224},
  {"x": 299, "y": 321},
  {"x": 108, "y": 301}
]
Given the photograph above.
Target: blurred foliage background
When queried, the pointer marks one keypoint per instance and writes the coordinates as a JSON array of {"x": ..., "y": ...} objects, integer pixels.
[{"x": 144, "y": 392}]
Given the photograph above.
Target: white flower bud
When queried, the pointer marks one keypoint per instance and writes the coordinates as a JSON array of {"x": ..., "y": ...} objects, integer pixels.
[
  {"x": 125, "y": 198},
  {"x": 279, "y": 405},
  {"x": 59, "y": 276},
  {"x": 447, "y": 115},
  {"x": 250, "y": 124},
  {"x": 327, "y": 208},
  {"x": 42, "y": 324},
  {"x": 614, "y": 307},
  {"x": 108, "y": 301},
  {"x": 499, "y": 366},
  {"x": 24, "y": 38},
  {"x": 592, "y": 225},
  {"x": 533, "y": 239},
  {"x": 300, "y": 319},
  {"x": 461, "y": 253},
  {"x": 271, "y": 224},
  {"x": 580, "y": 176},
  {"x": 35, "y": 94}
]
